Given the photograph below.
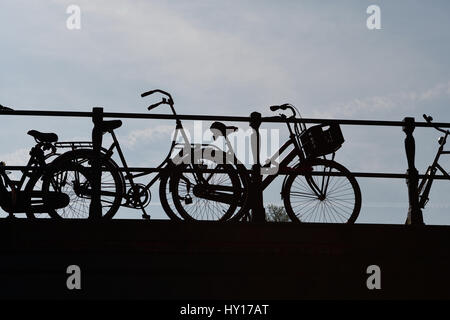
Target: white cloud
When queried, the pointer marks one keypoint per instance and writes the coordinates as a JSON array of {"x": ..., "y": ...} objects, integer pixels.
[
  {"x": 18, "y": 157},
  {"x": 168, "y": 43},
  {"x": 148, "y": 134},
  {"x": 381, "y": 104}
]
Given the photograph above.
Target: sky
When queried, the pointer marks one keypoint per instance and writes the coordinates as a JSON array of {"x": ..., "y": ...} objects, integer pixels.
[{"x": 233, "y": 58}]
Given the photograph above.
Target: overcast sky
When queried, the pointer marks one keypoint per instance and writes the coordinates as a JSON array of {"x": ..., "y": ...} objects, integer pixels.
[{"x": 232, "y": 58}]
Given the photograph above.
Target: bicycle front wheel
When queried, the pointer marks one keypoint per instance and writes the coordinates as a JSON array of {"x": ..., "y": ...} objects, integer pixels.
[{"x": 333, "y": 197}]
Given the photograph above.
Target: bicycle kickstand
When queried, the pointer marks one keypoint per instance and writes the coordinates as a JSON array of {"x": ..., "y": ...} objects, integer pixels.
[{"x": 145, "y": 216}]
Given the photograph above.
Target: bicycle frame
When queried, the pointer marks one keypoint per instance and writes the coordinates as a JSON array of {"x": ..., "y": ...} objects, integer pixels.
[
  {"x": 425, "y": 184},
  {"x": 35, "y": 167},
  {"x": 36, "y": 160},
  {"x": 129, "y": 176},
  {"x": 296, "y": 151}
]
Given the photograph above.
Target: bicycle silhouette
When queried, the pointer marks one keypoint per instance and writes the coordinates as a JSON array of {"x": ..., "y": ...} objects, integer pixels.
[
  {"x": 425, "y": 185},
  {"x": 25, "y": 195},
  {"x": 118, "y": 188},
  {"x": 199, "y": 187},
  {"x": 334, "y": 196}
]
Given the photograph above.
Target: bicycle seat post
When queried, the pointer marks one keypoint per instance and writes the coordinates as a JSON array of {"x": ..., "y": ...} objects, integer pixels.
[
  {"x": 95, "y": 209},
  {"x": 256, "y": 192}
]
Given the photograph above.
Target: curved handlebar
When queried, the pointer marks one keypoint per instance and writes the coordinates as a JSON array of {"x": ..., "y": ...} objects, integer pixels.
[
  {"x": 284, "y": 107},
  {"x": 275, "y": 108},
  {"x": 429, "y": 119},
  {"x": 167, "y": 100},
  {"x": 155, "y": 91}
]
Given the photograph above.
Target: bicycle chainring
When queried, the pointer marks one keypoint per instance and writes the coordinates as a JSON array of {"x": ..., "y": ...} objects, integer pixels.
[{"x": 137, "y": 197}]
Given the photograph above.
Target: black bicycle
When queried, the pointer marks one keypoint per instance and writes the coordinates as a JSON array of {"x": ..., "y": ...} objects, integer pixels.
[
  {"x": 425, "y": 184},
  {"x": 119, "y": 187},
  {"x": 316, "y": 190},
  {"x": 25, "y": 195}
]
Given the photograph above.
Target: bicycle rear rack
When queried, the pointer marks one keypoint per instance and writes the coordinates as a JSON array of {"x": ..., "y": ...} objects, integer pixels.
[{"x": 74, "y": 144}]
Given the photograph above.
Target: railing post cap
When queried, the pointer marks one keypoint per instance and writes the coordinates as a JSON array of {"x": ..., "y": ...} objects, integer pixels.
[
  {"x": 409, "y": 124},
  {"x": 255, "y": 120}
]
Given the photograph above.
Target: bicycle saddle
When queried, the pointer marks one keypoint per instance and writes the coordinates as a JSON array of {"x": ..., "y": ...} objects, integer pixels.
[
  {"x": 218, "y": 128},
  {"x": 109, "y": 125},
  {"x": 43, "y": 137}
]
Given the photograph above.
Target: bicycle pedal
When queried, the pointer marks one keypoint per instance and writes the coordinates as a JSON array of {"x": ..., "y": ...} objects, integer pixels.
[{"x": 146, "y": 216}]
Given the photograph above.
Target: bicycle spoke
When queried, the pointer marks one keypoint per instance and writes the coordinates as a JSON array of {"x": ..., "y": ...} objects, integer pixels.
[{"x": 337, "y": 200}]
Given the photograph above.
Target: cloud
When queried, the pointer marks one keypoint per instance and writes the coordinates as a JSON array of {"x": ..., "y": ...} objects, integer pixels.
[
  {"x": 147, "y": 135},
  {"x": 18, "y": 157},
  {"x": 163, "y": 39},
  {"x": 403, "y": 100}
]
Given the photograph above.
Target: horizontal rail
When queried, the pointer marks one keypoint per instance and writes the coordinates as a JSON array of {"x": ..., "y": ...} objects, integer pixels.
[
  {"x": 218, "y": 118},
  {"x": 97, "y": 115},
  {"x": 388, "y": 175}
]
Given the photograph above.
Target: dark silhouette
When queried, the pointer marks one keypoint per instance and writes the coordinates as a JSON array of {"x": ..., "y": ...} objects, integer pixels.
[
  {"x": 115, "y": 185},
  {"x": 23, "y": 195},
  {"x": 202, "y": 182},
  {"x": 307, "y": 197},
  {"x": 425, "y": 185}
]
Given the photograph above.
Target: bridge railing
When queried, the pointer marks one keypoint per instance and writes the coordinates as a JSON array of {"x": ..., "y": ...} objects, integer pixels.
[{"x": 408, "y": 126}]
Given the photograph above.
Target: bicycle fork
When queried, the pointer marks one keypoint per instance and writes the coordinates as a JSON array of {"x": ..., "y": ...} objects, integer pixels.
[{"x": 425, "y": 185}]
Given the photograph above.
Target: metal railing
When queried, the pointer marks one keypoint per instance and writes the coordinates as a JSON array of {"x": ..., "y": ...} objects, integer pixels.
[{"x": 255, "y": 119}]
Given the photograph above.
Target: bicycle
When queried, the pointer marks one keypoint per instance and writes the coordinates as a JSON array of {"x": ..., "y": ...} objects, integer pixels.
[
  {"x": 23, "y": 195},
  {"x": 333, "y": 196},
  {"x": 425, "y": 184},
  {"x": 117, "y": 186}
]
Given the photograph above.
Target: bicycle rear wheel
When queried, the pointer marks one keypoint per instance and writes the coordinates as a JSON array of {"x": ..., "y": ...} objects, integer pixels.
[
  {"x": 165, "y": 198},
  {"x": 208, "y": 196},
  {"x": 322, "y": 199}
]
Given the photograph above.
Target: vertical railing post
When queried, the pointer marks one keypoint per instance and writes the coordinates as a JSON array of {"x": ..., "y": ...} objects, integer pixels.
[
  {"x": 95, "y": 209},
  {"x": 256, "y": 192},
  {"x": 414, "y": 213}
]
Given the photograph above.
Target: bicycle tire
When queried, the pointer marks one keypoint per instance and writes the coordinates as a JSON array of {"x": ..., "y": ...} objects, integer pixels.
[
  {"x": 30, "y": 186},
  {"x": 75, "y": 163},
  {"x": 165, "y": 198},
  {"x": 341, "y": 203},
  {"x": 220, "y": 211}
]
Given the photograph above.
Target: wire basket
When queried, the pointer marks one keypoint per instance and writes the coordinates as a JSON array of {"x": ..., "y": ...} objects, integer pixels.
[{"x": 321, "y": 140}]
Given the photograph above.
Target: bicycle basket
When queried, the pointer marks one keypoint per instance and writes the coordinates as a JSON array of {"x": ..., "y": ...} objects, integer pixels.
[{"x": 316, "y": 141}]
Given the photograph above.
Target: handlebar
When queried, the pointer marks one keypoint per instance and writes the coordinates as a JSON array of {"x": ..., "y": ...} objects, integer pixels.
[
  {"x": 167, "y": 100},
  {"x": 284, "y": 106},
  {"x": 429, "y": 119},
  {"x": 163, "y": 101},
  {"x": 148, "y": 93}
]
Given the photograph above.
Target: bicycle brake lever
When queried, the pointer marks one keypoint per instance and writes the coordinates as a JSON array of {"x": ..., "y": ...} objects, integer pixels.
[
  {"x": 163, "y": 101},
  {"x": 427, "y": 118}
]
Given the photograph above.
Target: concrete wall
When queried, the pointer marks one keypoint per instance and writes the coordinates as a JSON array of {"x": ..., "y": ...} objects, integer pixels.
[{"x": 168, "y": 260}]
